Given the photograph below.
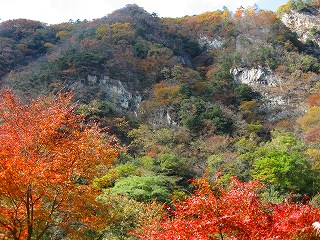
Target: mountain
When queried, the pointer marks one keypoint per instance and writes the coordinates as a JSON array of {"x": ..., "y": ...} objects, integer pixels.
[
  {"x": 218, "y": 94},
  {"x": 143, "y": 65},
  {"x": 120, "y": 58}
]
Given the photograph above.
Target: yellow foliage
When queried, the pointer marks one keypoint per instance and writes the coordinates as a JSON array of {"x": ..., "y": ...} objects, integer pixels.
[
  {"x": 314, "y": 156},
  {"x": 103, "y": 30},
  {"x": 311, "y": 120},
  {"x": 248, "y": 106},
  {"x": 209, "y": 17},
  {"x": 226, "y": 15},
  {"x": 63, "y": 34},
  {"x": 284, "y": 8},
  {"x": 115, "y": 32},
  {"x": 48, "y": 45},
  {"x": 122, "y": 30},
  {"x": 166, "y": 94}
]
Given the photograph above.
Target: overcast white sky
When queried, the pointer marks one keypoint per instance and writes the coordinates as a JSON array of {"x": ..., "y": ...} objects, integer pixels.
[{"x": 57, "y": 11}]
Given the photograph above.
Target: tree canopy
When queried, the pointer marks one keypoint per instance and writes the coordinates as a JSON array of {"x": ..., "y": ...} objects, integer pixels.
[{"x": 48, "y": 158}]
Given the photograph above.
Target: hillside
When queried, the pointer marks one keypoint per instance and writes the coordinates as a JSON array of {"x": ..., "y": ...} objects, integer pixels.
[{"x": 218, "y": 94}]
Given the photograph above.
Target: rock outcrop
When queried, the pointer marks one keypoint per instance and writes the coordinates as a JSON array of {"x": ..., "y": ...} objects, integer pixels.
[
  {"x": 162, "y": 117},
  {"x": 116, "y": 92},
  {"x": 112, "y": 90},
  {"x": 211, "y": 43},
  {"x": 277, "y": 102},
  {"x": 305, "y": 24},
  {"x": 256, "y": 77}
]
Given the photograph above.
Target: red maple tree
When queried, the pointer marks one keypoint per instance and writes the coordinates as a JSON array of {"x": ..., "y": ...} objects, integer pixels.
[
  {"x": 48, "y": 158},
  {"x": 236, "y": 212}
]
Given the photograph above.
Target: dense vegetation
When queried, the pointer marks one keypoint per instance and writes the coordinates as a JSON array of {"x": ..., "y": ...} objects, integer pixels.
[
  {"x": 157, "y": 98},
  {"x": 298, "y": 5}
]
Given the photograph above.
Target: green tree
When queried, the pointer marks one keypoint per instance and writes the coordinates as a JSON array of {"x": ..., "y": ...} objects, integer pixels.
[
  {"x": 222, "y": 123},
  {"x": 283, "y": 164},
  {"x": 244, "y": 93},
  {"x": 145, "y": 188},
  {"x": 194, "y": 111},
  {"x": 116, "y": 173},
  {"x": 285, "y": 171},
  {"x": 126, "y": 215}
]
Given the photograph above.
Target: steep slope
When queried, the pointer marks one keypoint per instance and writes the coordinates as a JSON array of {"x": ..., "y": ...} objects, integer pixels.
[
  {"x": 305, "y": 23},
  {"x": 154, "y": 70}
]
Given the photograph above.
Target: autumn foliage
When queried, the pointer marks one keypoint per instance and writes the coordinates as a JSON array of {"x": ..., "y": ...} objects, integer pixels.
[
  {"x": 236, "y": 212},
  {"x": 313, "y": 100},
  {"x": 48, "y": 158}
]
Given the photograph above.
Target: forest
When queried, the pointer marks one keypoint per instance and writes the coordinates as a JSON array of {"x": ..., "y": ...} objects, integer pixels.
[{"x": 133, "y": 126}]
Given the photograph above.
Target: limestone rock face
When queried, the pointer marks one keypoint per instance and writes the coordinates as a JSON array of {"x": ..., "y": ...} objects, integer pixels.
[
  {"x": 125, "y": 99},
  {"x": 206, "y": 42},
  {"x": 116, "y": 92},
  {"x": 276, "y": 101},
  {"x": 305, "y": 24},
  {"x": 255, "y": 77},
  {"x": 162, "y": 117}
]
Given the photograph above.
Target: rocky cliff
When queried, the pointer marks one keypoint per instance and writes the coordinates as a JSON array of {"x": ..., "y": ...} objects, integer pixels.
[
  {"x": 306, "y": 24},
  {"x": 256, "y": 77},
  {"x": 114, "y": 91},
  {"x": 280, "y": 98}
]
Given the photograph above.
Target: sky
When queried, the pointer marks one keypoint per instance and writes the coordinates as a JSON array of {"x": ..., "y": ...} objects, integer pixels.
[{"x": 58, "y": 11}]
